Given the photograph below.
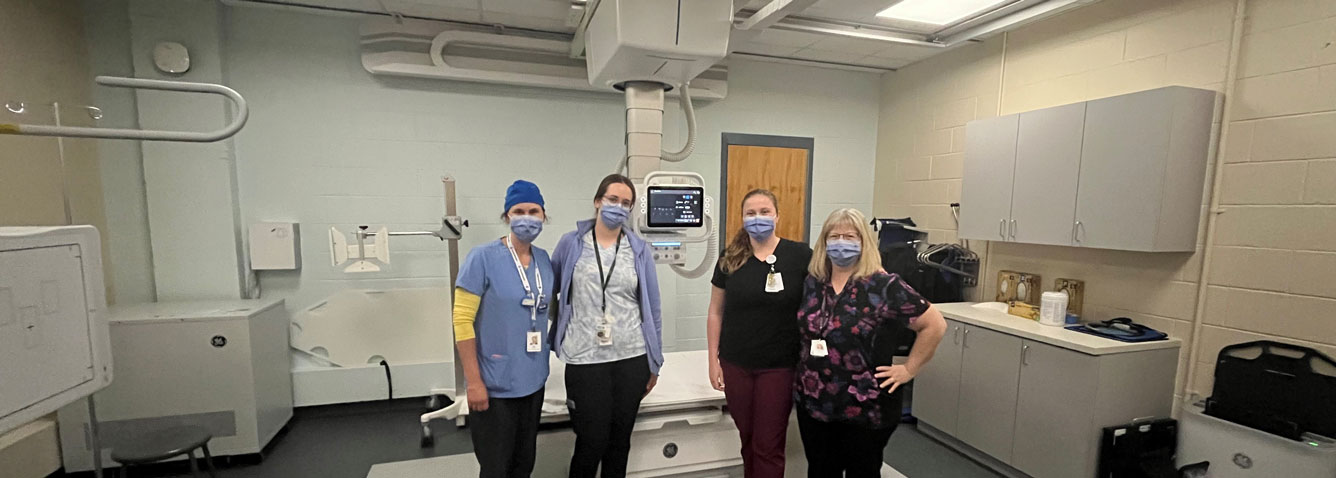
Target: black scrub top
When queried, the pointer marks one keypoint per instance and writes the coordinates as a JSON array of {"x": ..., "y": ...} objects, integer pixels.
[{"x": 760, "y": 329}]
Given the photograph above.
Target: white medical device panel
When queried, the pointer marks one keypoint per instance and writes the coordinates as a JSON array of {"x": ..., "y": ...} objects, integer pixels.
[
  {"x": 655, "y": 40},
  {"x": 54, "y": 345}
]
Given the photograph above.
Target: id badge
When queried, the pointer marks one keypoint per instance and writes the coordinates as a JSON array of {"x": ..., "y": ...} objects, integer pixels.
[
  {"x": 774, "y": 282},
  {"x": 819, "y": 348},
  {"x": 533, "y": 342},
  {"x": 604, "y": 335},
  {"x": 528, "y": 302}
]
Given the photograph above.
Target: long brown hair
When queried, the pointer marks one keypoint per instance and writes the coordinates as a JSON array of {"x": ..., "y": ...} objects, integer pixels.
[{"x": 740, "y": 248}]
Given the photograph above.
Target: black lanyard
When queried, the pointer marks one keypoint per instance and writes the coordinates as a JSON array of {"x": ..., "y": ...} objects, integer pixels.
[{"x": 598, "y": 257}]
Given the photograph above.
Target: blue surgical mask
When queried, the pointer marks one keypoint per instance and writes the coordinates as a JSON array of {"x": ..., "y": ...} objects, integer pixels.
[
  {"x": 842, "y": 252},
  {"x": 526, "y": 228},
  {"x": 759, "y": 227},
  {"x": 614, "y": 215}
]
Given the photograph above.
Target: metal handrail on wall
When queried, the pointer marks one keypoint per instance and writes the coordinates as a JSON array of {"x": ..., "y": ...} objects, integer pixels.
[{"x": 242, "y": 112}]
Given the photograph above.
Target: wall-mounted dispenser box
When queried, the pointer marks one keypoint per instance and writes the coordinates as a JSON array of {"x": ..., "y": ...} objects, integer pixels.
[{"x": 275, "y": 246}]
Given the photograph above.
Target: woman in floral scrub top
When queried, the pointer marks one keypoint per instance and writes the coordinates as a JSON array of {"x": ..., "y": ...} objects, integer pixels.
[{"x": 847, "y": 391}]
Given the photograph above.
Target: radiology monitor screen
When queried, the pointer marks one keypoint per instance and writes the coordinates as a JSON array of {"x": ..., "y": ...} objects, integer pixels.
[{"x": 676, "y": 206}]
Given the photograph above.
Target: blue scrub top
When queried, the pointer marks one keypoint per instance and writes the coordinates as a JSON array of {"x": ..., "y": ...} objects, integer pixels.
[{"x": 508, "y": 369}]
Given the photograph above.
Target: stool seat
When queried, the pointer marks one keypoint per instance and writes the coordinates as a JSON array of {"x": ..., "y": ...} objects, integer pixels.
[{"x": 162, "y": 445}]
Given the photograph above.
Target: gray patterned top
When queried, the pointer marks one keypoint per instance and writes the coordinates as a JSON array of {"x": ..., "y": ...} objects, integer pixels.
[{"x": 628, "y": 340}]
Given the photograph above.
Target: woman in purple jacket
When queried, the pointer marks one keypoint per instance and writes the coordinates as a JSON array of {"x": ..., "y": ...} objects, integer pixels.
[{"x": 609, "y": 330}]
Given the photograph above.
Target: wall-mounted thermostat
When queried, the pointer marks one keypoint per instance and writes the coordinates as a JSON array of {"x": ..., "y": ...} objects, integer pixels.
[{"x": 275, "y": 246}]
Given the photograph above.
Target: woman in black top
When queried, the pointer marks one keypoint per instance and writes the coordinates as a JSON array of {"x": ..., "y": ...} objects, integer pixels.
[{"x": 753, "y": 344}]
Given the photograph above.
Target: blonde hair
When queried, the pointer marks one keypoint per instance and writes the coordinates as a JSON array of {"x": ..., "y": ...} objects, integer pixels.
[
  {"x": 740, "y": 248},
  {"x": 868, "y": 262}
]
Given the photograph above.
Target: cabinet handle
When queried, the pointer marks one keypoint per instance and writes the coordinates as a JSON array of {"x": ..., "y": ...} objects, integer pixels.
[
  {"x": 1025, "y": 355},
  {"x": 1076, "y": 231},
  {"x": 955, "y": 335},
  {"x": 965, "y": 343},
  {"x": 1013, "y": 229},
  {"x": 1002, "y": 229}
]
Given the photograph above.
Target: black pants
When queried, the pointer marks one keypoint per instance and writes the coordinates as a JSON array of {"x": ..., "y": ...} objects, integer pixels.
[
  {"x": 603, "y": 400},
  {"x": 505, "y": 436},
  {"x": 840, "y": 450}
]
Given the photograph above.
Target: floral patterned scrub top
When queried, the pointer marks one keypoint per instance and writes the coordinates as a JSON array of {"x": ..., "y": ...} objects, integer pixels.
[{"x": 860, "y": 326}]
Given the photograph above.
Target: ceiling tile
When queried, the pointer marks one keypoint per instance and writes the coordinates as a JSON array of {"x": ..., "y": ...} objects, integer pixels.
[
  {"x": 883, "y": 62},
  {"x": 850, "y": 45},
  {"x": 787, "y": 38},
  {"x": 764, "y": 49},
  {"x": 832, "y": 56},
  {"x": 908, "y": 52}
]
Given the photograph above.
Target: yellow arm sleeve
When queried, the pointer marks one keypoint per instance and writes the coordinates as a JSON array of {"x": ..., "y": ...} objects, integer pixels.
[{"x": 466, "y": 312}]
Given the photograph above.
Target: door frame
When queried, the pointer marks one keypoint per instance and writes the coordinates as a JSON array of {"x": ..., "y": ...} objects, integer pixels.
[{"x": 764, "y": 140}]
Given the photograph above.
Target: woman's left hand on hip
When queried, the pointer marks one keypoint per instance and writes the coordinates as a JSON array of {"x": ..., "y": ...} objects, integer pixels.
[{"x": 893, "y": 376}]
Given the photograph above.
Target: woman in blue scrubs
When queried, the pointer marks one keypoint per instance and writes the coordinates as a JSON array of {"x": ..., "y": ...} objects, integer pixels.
[{"x": 500, "y": 322}]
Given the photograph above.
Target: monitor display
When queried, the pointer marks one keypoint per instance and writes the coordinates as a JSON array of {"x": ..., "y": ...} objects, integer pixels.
[{"x": 676, "y": 206}]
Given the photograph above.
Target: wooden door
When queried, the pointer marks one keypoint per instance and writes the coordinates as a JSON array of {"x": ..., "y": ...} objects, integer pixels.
[{"x": 783, "y": 171}]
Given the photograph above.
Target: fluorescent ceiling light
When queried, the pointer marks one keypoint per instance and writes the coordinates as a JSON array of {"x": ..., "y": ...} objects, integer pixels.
[{"x": 938, "y": 12}]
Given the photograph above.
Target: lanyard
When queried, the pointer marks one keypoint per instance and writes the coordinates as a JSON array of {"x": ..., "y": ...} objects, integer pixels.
[
  {"x": 828, "y": 316},
  {"x": 524, "y": 280},
  {"x": 598, "y": 257}
]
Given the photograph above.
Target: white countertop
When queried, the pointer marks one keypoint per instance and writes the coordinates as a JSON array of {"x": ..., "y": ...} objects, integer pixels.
[{"x": 1057, "y": 336}]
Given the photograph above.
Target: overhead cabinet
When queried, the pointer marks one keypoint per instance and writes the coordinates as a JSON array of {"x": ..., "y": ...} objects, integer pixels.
[{"x": 1125, "y": 172}]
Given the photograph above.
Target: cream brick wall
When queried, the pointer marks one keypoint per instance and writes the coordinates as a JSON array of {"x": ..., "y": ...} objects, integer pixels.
[{"x": 1273, "y": 271}]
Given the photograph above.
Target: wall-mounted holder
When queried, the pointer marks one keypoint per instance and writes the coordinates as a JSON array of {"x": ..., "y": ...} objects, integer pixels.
[
  {"x": 1018, "y": 287},
  {"x": 1075, "y": 290}
]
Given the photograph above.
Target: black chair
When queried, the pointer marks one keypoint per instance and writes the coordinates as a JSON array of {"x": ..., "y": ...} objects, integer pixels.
[{"x": 164, "y": 445}]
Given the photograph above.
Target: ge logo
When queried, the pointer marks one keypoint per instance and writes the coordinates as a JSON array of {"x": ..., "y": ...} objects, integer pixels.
[
  {"x": 1243, "y": 461},
  {"x": 218, "y": 341},
  {"x": 670, "y": 450}
]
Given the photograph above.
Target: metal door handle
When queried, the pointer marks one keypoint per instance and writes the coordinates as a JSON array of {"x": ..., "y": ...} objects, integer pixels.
[
  {"x": 1025, "y": 355},
  {"x": 1002, "y": 229},
  {"x": 1013, "y": 229}
]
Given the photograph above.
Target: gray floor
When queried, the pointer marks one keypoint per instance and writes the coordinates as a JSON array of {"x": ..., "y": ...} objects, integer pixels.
[{"x": 344, "y": 441}]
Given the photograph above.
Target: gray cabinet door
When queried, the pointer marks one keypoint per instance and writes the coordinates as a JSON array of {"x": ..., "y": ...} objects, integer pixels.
[
  {"x": 990, "y": 161},
  {"x": 937, "y": 387},
  {"x": 989, "y": 377},
  {"x": 1122, "y": 170},
  {"x": 1054, "y": 421},
  {"x": 1048, "y": 162}
]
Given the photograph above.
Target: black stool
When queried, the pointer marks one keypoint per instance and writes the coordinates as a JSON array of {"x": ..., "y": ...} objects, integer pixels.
[{"x": 163, "y": 445}]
